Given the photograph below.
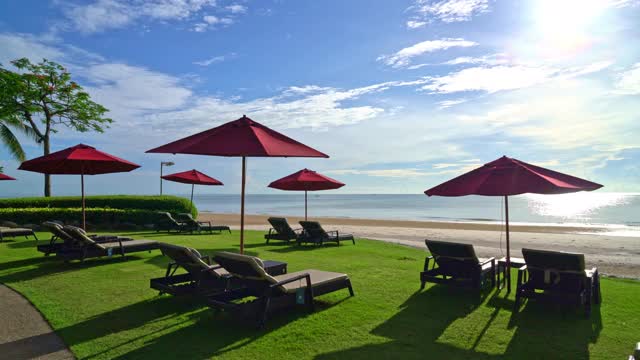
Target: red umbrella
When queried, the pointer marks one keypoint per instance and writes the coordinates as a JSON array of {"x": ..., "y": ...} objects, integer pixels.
[
  {"x": 306, "y": 180},
  {"x": 506, "y": 176},
  {"x": 193, "y": 177},
  {"x": 244, "y": 138},
  {"x": 78, "y": 160},
  {"x": 5, "y": 177}
]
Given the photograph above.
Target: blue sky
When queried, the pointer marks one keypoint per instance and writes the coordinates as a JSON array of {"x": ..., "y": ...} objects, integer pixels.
[{"x": 401, "y": 94}]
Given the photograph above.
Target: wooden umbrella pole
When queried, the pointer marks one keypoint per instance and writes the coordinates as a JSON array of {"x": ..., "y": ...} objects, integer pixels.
[
  {"x": 508, "y": 268},
  {"x": 84, "y": 218},
  {"x": 305, "y": 205},
  {"x": 244, "y": 171},
  {"x": 192, "y": 186}
]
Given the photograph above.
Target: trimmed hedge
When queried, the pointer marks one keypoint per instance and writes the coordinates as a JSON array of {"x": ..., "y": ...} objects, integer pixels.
[
  {"x": 168, "y": 203},
  {"x": 102, "y": 217},
  {"x": 103, "y": 211}
]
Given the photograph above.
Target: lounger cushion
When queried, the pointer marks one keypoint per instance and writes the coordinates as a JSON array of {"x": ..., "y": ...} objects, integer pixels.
[
  {"x": 556, "y": 260},
  {"x": 451, "y": 249},
  {"x": 15, "y": 231},
  {"x": 318, "y": 278},
  {"x": 341, "y": 237},
  {"x": 129, "y": 245},
  {"x": 243, "y": 266}
]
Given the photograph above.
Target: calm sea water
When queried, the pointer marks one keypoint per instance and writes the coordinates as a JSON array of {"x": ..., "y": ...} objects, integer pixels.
[{"x": 618, "y": 211}]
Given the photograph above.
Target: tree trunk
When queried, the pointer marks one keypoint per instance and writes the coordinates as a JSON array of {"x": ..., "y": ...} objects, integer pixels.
[{"x": 47, "y": 177}]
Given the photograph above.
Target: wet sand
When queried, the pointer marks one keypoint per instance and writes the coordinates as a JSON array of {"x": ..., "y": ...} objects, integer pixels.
[{"x": 613, "y": 255}]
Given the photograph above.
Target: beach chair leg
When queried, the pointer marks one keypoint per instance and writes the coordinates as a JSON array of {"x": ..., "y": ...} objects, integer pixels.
[{"x": 350, "y": 288}]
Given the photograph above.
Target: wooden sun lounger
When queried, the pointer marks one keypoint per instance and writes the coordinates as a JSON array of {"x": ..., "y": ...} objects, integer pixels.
[
  {"x": 201, "y": 277},
  {"x": 61, "y": 239},
  {"x": 88, "y": 248},
  {"x": 192, "y": 225},
  {"x": 13, "y": 232},
  {"x": 314, "y": 233},
  {"x": 559, "y": 277},
  {"x": 271, "y": 293},
  {"x": 280, "y": 230},
  {"x": 167, "y": 223},
  {"x": 457, "y": 264}
]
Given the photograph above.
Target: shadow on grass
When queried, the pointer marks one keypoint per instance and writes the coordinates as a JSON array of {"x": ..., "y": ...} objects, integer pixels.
[
  {"x": 416, "y": 331},
  {"x": 23, "y": 244},
  {"x": 208, "y": 334},
  {"x": 50, "y": 265}
]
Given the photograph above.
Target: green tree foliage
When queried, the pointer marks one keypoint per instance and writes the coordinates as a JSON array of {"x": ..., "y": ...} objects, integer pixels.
[{"x": 40, "y": 98}]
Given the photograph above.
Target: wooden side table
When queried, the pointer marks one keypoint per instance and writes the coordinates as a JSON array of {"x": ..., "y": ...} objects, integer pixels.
[
  {"x": 502, "y": 265},
  {"x": 274, "y": 268}
]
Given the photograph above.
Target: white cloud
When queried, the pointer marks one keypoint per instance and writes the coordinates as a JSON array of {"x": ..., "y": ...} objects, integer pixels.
[
  {"x": 493, "y": 59},
  {"x": 628, "y": 82},
  {"x": 448, "y": 10},
  {"x": 210, "y": 22},
  {"x": 505, "y": 77},
  {"x": 215, "y": 59},
  {"x": 237, "y": 9},
  {"x": 445, "y": 104},
  {"x": 404, "y": 56},
  {"x": 414, "y": 24},
  {"x": 104, "y": 15},
  {"x": 391, "y": 173}
]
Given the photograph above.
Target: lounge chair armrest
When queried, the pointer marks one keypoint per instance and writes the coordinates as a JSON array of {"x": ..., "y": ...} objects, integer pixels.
[
  {"x": 206, "y": 258},
  {"x": 523, "y": 268},
  {"x": 212, "y": 268},
  {"x": 426, "y": 263},
  {"x": 204, "y": 222},
  {"x": 295, "y": 278},
  {"x": 333, "y": 232},
  {"x": 489, "y": 260}
]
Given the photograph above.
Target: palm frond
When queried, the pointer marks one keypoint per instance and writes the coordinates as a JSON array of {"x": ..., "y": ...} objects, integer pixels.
[{"x": 10, "y": 141}]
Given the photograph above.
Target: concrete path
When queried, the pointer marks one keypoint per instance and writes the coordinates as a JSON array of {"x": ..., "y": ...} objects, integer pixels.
[{"x": 24, "y": 333}]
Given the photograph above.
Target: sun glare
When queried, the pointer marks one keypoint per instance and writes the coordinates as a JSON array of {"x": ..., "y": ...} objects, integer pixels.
[{"x": 564, "y": 25}]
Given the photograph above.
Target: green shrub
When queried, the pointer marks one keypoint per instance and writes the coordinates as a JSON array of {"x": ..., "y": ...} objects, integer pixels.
[
  {"x": 167, "y": 203},
  {"x": 102, "y": 217}
]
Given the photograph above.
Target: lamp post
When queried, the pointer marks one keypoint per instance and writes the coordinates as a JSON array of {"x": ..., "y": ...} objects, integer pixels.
[{"x": 163, "y": 164}]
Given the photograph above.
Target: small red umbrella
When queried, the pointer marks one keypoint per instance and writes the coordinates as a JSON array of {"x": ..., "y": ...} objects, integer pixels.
[
  {"x": 306, "y": 180},
  {"x": 193, "y": 177},
  {"x": 243, "y": 138},
  {"x": 78, "y": 160},
  {"x": 5, "y": 177},
  {"x": 507, "y": 176}
]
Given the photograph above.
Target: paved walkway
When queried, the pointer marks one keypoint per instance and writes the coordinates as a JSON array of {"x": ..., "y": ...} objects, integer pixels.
[{"x": 24, "y": 333}]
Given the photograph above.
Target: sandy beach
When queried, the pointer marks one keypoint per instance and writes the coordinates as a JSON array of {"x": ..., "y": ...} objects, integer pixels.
[{"x": 613, "y": 255}]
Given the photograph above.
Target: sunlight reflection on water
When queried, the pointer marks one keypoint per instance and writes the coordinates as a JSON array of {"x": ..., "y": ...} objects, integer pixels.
[{"x": 576, "y": 206}]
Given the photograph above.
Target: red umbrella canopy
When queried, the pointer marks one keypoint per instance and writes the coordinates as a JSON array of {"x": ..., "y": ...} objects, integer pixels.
[
  {"x": 242, "y": 137},
  {"x": 507, "y": 176},
  {"x": 192, "y": 177},
  {"x": 5, "y": 177},
  {"x": 306, "y": 180},
  {"x": 79, "y": 160}
]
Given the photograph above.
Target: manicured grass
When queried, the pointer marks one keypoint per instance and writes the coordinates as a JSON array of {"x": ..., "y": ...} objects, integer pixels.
[{"x": 104, "y": 308}]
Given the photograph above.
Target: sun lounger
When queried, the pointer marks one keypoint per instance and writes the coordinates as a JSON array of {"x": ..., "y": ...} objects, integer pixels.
[
  {"x": 13, "y": 232},
  {"x": 271, "y": 293},
  {"x": 314, "y": 233},
  {"x": 88, "y": 248},
  {"x": 201, "y": 277},
  {"x": 280, "y": 230},
  {"x": 60, "y": 238},
  {"x": 457, "y": 264},
  {"x": 192, "y": 225},
  {"x": 167, "y": 223},
  {"x": 558, "y": 277},
  {"x": 636, "y": 353}
]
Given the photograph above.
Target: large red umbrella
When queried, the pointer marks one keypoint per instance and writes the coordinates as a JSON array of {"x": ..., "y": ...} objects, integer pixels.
[
  {"x": 507, "y": 176},
  {"x": 243, "y": 138},
  {"x": 78, "y": 160},
  {"x": 193, "y": 177},
  {"x": 306, "y": 180},
  {"x": 5, "y": 177}
]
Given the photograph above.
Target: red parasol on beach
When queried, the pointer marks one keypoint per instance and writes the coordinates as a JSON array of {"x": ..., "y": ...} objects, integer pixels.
[
  {"x": 242, "y": 138},
  {"x": 507, "y": 176},
  {"x": 306, "y": 180},
  {"x": 5, "y": 177},
  {"x": 78, "y": 160},
  {"x": 193, "y": 177}
]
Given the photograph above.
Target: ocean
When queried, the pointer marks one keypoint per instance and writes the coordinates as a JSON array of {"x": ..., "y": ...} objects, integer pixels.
[{"x": 620, "y": 212}]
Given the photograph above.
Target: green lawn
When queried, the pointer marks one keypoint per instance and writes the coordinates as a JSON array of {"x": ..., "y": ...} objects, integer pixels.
[{"x": 104, "y": 308}]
